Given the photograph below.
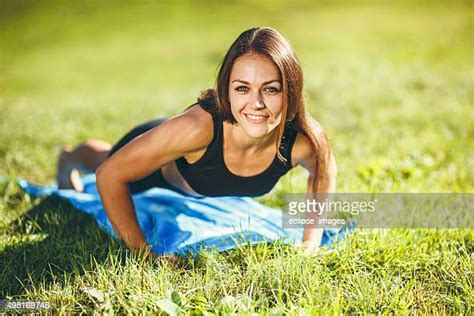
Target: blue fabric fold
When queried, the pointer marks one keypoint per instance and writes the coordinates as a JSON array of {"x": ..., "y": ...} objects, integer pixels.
[{"x": 177, "y": 223}]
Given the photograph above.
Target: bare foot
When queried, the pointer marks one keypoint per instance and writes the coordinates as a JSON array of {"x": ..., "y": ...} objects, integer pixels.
[{"x": 67, "y": 175}]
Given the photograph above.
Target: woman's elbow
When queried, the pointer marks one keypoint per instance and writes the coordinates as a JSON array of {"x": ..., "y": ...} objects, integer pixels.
[
  {"x": 107, "y": 174},
  {"x": 102, "y": 173}
]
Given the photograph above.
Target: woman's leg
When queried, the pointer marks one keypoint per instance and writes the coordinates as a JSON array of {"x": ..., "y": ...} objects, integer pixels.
[{"x": 86, "y": 157}]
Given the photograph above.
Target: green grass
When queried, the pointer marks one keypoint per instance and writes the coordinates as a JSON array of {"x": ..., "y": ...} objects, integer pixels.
[{"x": 392, "y": 83}]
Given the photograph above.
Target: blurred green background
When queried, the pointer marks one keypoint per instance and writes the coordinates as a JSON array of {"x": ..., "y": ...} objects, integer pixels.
[{"x": 392, "y": 82}]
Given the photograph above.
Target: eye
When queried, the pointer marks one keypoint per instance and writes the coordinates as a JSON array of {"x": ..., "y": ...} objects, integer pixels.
[
  {"x": 272, "y": 89},
  {"x": 241, "y": 89}
]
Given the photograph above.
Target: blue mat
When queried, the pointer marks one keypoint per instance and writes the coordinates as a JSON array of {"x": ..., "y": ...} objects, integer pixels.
[{"x": 177, "y": 223}]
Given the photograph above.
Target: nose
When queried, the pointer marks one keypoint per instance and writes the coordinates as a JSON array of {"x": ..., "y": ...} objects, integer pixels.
[{"x": 256, "y": 100}]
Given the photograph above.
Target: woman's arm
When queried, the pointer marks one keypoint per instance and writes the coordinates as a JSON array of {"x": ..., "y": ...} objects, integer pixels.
[
  {"x": 312, "y": 236},
  {"x": 174, "y": 138},
  {"x": 306, "y": 158}
]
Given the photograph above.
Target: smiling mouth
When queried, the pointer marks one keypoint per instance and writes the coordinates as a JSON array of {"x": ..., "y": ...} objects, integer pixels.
[{"x": 255, "y": 119}]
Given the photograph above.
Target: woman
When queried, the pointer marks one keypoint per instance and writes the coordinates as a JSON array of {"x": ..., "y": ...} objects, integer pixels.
[{"x": 238, "y": 139}]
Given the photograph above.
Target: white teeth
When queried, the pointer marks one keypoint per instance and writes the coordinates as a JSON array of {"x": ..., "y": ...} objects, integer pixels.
[{"x": 256, "y": 117}]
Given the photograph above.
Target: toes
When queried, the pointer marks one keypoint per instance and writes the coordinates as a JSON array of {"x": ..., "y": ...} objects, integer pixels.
[
  {"x": 76, "y": 181},
  {"x": 70, "y": 180}
]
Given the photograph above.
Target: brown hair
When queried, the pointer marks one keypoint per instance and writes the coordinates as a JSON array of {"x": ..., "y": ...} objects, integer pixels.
[{"x": 270, "y": 43}]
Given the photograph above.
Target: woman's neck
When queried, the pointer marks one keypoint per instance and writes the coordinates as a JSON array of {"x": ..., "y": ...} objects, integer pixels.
[{"x": 236, "y": 136}]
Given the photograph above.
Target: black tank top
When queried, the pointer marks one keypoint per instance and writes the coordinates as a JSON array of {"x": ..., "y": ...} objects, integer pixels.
[{"x": 209, "y": 175}]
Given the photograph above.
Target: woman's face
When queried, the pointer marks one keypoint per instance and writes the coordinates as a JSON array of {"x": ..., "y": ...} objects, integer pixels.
[{"x": 255, "y": 93}]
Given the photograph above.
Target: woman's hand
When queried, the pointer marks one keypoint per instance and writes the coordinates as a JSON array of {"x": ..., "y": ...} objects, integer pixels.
[
  {"x": 175, "y": 260},
  {"x": 309, "y": 248}
]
